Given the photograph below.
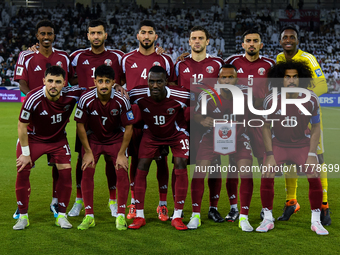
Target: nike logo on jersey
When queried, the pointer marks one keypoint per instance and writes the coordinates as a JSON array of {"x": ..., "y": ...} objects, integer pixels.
[
  {"x": 146, "y": 110},
  {"x": 38, "y": 68},
  {"x": 86, "y": 62},
  {"x": 186, "y": 70},
  {"x": 240, "y": 70},
  {"x": 44, "y": 113},
  {"x": 94, "y": 112},
  {"x": 216, "y": 110},
  {"x": 134, "y": 66}
]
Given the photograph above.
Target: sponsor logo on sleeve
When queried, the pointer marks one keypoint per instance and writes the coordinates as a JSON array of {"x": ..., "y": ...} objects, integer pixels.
[
  {"x": 19, "y": 70},
  {"x": 318, "y": 72},
  {"x": 129, "y": 115},
  {"x": 79, "y": 113},
  {"x": 25, "y": 115}
]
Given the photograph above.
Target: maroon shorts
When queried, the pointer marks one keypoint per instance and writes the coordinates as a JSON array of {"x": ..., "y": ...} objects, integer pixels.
[
  {"x": 135, "y": 142},
  {"x": 297, "y": 156},
  {"x": 149, "y": 147},
  {"x": 58, "y": 152},
  {"x": 256, "y": 141},
  {"x": 101, "y": 149},
  {"x": 206, "y": 150}
]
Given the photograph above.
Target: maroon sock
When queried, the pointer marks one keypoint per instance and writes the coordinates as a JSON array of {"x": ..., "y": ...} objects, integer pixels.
[
  {"x": 140, "y": 188},
  {"x": 173, "y": 182},
  {"x": 55, "y": 176},
  {"x": 133, "y": 171},
  {"x": 315, "y": 193},
  {"x": 181, "y": 188},
  {"x": 111, "y": 178},
  {"x": 79, "y": 174},
  {"x": 214, "y": 184},
  {"x": 64, "y": 189},
  {"x": 87, "y": 185},
  {"x": 197, "y": 190},
  {"x": 232, "y": 185},
  {"x": 246, "y": 193},
  {"x": 267, "y": 192},
  {"x": 23, "y": 190},
  {"x": 162, "y": 177},
  {"x": 123, "y": 189}
]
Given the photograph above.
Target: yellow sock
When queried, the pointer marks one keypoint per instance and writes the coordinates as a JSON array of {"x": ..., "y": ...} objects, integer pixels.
[
  {"x": 324, "y": 184},
  {"x": 291, "y": 183}
]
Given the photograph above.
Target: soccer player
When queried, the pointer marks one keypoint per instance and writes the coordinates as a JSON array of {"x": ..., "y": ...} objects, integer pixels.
[
  {"x": 41, "y": 130},
  {"x": 287, "y": 141},
  {"x": 252, "y": 71},
  {"x": 85, "y": 62},
  {"x": 240, "y": 154},
  {"x": 105, "y": 113},
  {"x": 192, "y": 71},
  {"x": 289, "y": 41},
  {"x": 135, "y": 66},
  {"x": 162, "y": 110},
  {"x": 29, "y": 72}
]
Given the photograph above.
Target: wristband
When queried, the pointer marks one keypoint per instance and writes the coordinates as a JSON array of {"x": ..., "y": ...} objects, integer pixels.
[
  {"x": 312, "y": 154},
  {"x": 25, "y": 150},
  {"x": 269, "y": 153}
]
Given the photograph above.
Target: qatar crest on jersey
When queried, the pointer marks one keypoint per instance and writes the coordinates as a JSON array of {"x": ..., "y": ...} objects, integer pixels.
[
  {"x": 59, "y": 63},
  {"x": 209, "y": 69},
  {"x": 108, "y": 62},
  {"x": 67, "y": 107},
  {"x": 170, "y": 111},
  {"x": 114, "y": 112},
  {"x": 261, "y": 71},
  {"x": 156, "y": 64}
]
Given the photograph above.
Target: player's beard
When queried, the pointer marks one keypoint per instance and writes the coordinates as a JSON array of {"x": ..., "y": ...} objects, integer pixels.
[
  {"x": 252, "y": 53},
  {"x": 198, "y": 50},
  {"x": 53, "y": 95},
  {"x": 96, "y": 46},
  {"x": 147, "y": 46}
]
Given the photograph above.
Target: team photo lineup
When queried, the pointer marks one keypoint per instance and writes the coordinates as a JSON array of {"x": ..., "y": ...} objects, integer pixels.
[{"x": 138, "y": 107}]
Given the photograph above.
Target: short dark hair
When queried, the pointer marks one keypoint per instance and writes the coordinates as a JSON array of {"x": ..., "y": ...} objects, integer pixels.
[
  {"x": 158, "y": 69},
  {"x": 251, "y": 31},
  {"x": 279, "y": 70},
  {"x": 289, "y": 27},
  {"x": 44, "y": 23},
  {"x": 55, "y": 71},
  {"x": 147, "y": 23},
  {"x": 104, "y": 71},
  {"x": 228, "y": 66},
  {"x": 96, "y": 23},
  {"x": 200, "y": 28}
]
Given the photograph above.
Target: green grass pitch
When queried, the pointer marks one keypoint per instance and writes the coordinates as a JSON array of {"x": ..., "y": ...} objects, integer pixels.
[{"x": 43, "y": 237}]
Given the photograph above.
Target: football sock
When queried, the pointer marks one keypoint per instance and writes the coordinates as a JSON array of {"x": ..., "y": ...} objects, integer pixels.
[
  {"x": 64, "y": 189},
  {"x": 324, "y": 184},
  {"x": 234, "y": 206},
  {"x": 244, "y": 216},
  {"x": 246, "y": 193},
  {"x": 232, "y": 185},
  {"x": 79, "y": 174},
  {"x": 77, "y": 199},
  {"x": 55, "y": 176},
  {"x": 62, "y": 214},
  {"x": 24, "y": 214},
  {"x": 195, "y": 213},
  {"x": 91, "y": 215},
  {"x": 214, "y": 184},
  {"x": 54, "y": 201},
  {"x": 140, "y": 213},
  {"x": 291, "y": 183},
  {"x": 23, "y": 190},
  {"x": 121, "y": 214},
  {"x": 123, "y": 187},
  {"x": 111, "y": 178},
  {"x": 315, "y": 193},
  {"x": 177, "y": 213},
  {"x": 315, "y": 215},
  {"x": 132, "y": 201},
  {"x": 181, "y": 188},
  {"x": 268, "y": 214},
  {"x": 197, "y": 190},
  {"x": 140, "y": 188},
  {"x": 162, "y": 203},
  {"x": 162, "y": 177},
  {"x": 267, "y": 192},
  {"x": 173, "y": 181},
  {"x": 133, "y": 171},
  {"x": 87, "y": 184}
]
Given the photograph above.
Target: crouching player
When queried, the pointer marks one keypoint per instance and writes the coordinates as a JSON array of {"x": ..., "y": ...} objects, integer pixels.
[
  {"x": 41, "y": 130},
  {"x": 108, "y": 116},
  {"x": 238, "y": 142},
  {"x": 162, "y": 110},
  {"x": 288, "y": 141}
]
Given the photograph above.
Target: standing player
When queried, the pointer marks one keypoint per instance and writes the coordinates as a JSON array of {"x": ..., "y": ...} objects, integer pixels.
[
  {"x": 85, "y": 62},
  {"x": 289, "y": 142},
  {"x": 106, "y": 114},
  {"x": 162, "y": 110},
  {"x": 136, "y": 66},
  {"x": 252, "y": 71},
  {"x": 289, "y": 42},
  {"x": 195, "y": 69},
  {"x": 30, "y": 69},
  {"x": 41, "y": 130},
  {"x": 241, "y": 154}
]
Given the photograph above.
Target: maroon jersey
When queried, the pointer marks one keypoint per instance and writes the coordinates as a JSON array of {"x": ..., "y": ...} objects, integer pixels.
[
  {"x": 136, "y": 67},
  {"x": 163, "y": 120},
  {"x": 105, "y": 122},
  {"x": 252, "y": 74},
  {"x": 48, "y": 119},
  {"x": 31, "y": 66},
  {"x": 85, "y": 62},
  {"x": 291, "y": 132},
  {"x": 197, "y": 71}
]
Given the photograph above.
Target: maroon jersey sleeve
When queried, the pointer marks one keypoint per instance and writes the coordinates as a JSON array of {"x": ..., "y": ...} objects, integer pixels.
[{"x": 21, "y": 69}]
